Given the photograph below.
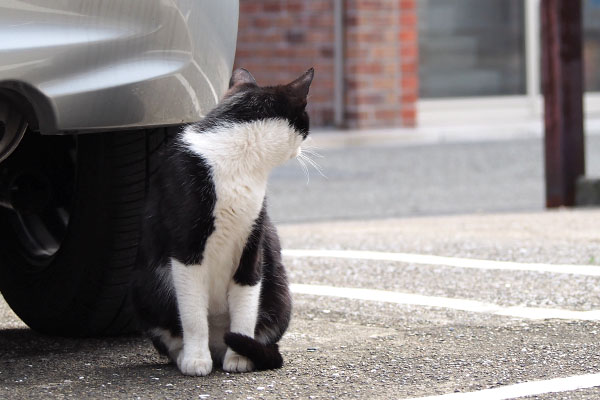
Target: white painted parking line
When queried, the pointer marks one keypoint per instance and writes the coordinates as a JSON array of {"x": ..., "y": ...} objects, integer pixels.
[
  {"x": 444, "y": 302},
  {"x": 458, "y": 262},
  {"x": 524, "y": 389}
]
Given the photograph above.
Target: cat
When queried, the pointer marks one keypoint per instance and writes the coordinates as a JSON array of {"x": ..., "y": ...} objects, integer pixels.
[{"x": 209, "y": 285}]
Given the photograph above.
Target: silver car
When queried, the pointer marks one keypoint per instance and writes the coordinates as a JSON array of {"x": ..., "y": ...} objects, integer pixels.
[{"x": 89, "y": 90}]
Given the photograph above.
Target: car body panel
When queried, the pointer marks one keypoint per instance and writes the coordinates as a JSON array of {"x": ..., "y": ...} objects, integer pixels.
[{"x": 91, "y": 65}]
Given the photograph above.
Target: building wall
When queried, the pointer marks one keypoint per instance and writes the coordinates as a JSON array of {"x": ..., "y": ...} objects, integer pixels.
[{"x": 279, "y": 39}]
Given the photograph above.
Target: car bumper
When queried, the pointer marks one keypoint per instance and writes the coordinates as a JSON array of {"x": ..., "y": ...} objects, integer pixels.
[{"x": 114, "y": 64}]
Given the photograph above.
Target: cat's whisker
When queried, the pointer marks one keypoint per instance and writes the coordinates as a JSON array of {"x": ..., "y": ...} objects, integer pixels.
[
  {"x": 304, "y": 167},
  {"x": 306, "y": 163},
  {"x": 309, "y": 147},
  {"x": 306, "y": 171},
  {"x": 314, "y": 164},
  {"x": 311, "y": 151}
]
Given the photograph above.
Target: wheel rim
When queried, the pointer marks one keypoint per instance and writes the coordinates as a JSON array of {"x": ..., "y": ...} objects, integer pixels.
[{"x": 38, "y": 182}]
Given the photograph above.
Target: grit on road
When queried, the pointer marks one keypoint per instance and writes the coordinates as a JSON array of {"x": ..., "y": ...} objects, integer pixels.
[{"x": 397, "y": 325}]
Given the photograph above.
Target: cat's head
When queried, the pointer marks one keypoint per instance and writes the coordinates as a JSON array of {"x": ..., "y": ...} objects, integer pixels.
[
  {"x": 286, "y": 102},
  {"x": 273, "y": 117}
]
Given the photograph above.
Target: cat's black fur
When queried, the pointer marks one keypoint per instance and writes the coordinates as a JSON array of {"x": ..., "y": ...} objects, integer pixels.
[
  {"x": 255, "y": 103},
  {"x": 179, "y": 220}
]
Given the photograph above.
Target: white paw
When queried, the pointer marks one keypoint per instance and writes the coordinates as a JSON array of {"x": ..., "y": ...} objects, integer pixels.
[
  {"x": 194, "y": 366},
  {"x": 235, "y": 363}
]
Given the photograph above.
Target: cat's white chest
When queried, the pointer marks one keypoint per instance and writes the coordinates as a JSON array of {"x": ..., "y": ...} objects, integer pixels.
[
  {"x": 239, "y": 171},
  {"x": 237, "y": 206}
]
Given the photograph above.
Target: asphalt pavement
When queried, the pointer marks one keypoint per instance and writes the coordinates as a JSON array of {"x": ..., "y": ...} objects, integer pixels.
[
  {"x": 374, "y": 318},
  {"x": 398, "y": 179}
]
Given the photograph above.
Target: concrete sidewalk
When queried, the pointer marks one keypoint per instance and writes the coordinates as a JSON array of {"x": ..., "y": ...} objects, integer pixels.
[{"x": 434, "y": 134}]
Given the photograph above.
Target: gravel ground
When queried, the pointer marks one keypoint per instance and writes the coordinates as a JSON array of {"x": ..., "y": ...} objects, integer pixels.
[
  {"x": 397, "y": 353},
  {"x": 525, "y": 237},
  {"x": 505, "y": 288},
  {"x": 350, "y": 349}
]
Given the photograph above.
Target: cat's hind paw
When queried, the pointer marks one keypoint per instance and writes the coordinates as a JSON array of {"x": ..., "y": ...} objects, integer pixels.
[
  {"x": 194, "y": 366},
  {"x": 235, "y": 363}
]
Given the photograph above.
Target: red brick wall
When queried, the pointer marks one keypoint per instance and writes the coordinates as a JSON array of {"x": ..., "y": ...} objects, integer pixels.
[{"x": 279, "y": 39}]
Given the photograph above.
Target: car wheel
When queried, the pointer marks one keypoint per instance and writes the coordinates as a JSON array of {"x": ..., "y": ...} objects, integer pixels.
[{"x": 70, "y": 210}]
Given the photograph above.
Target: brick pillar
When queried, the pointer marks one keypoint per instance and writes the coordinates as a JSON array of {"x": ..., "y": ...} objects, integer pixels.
[
  {"x": 381, "y": 63},
  {"x": 280, "y": 39}
]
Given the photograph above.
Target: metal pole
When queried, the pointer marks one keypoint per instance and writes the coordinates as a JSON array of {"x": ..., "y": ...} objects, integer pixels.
[
  {"x": 532, "y": 54},
  {"x": 338, "y": 63},
  {"x": 563, "y": 99}
]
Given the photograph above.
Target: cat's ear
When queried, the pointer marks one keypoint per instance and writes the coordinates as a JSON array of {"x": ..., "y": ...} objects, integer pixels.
[
  {"x": 241, "y": 76},
  {"x": 301, "y": 85}
]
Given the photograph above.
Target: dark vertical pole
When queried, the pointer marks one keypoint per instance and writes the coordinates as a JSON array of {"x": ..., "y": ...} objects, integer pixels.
[{"x": 563, "y": 99}]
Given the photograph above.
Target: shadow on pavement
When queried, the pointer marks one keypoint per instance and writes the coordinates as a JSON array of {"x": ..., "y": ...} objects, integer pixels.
[{"x": 25, "y": 342}]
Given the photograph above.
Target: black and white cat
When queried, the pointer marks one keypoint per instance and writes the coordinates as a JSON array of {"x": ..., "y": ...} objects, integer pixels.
[{"x": 209, "y": 285}]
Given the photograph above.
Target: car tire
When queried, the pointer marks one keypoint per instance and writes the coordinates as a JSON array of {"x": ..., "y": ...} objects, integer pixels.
[{"x": 81, "y": 197}]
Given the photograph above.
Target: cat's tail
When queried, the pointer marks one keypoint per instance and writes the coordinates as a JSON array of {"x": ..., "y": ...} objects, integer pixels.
[{"x": 264, "y": 356}]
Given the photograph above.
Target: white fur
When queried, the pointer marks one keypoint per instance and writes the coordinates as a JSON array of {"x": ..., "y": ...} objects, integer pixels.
[
  {"x": 254, "y": 147},
  {"x": 192, "y": 284},
  {"x": 241, "y": 157},
  {"x": 243, "y": 310}
]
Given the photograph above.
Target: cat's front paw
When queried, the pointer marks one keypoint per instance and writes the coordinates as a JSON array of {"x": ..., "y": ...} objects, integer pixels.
[
  {"x": 194, "y": 366},
  {"x": 233, "y": 362}
]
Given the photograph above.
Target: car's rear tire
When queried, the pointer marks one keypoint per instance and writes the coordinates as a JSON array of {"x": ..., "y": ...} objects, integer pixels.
[{"x": 69, "y": 228}]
